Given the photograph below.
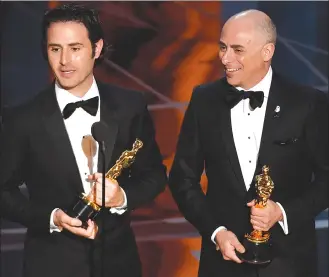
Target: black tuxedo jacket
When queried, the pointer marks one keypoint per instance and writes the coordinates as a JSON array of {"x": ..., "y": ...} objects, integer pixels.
[
  {"x": 294, "y": 145},
  {"x": 35, "y": 149}
]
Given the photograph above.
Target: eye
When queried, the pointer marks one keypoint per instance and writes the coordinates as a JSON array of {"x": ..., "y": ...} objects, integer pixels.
[
  {"x": 75, "y": 49},
  {"x": 54, "y": 49},
  {"x": 222, "y": 47},
  {"x": 238, "y": 50}
]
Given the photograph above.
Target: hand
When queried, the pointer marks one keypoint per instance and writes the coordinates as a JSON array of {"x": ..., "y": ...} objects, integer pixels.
[
  {"x": 63, "y": 221},
  {"x": 227, "y": 243},
  {"x": 113, "y": 192},
  {"x": 263, "y": 219}
]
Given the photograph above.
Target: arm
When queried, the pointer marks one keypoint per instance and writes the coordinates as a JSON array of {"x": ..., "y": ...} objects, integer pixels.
[
  {"x": 120, "y": 209},
  {"x": 186, "y": 171},
  {"x": 283, "y": 222},
  {"x": 148, "y": 174},
  {"x": 14, "y": 205},
  {"x": 315, "y": 198}
]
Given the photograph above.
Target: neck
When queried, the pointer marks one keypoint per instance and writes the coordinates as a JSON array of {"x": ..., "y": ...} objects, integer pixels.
[
  {"x": 256, "y": 80},
  {"x": 81, "y": 89}
]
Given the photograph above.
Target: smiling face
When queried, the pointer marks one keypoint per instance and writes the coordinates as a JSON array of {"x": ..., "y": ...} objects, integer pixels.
[
  {"x": 244, "y": 53},
  {"x": 71, "y": 57}
]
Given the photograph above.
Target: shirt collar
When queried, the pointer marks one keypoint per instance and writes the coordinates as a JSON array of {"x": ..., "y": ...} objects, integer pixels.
[{"x": 64, "y": 97}]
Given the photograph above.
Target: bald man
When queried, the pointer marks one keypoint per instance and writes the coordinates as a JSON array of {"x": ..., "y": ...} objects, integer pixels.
[{"x": 232, "y": 127}]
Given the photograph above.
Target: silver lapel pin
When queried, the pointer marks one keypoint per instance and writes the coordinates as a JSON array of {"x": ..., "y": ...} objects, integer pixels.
[{"x": 277, "y": 111}]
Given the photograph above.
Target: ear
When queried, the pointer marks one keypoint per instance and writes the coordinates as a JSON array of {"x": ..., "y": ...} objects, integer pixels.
[
  {"x": 99, "y": 47},
  {"x": 268, "y": 51}
]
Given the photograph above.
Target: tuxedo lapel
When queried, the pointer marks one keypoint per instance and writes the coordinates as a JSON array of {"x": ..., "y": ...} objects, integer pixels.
[
  {"x": 271, "y": 122},
  {"x": 227, "y": 135},
  {"x": 55, "y": 129},
  {"x": 108, "y": 108}
]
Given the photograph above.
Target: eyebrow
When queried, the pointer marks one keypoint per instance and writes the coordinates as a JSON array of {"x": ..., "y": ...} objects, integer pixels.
[
  {"x": 70, "y": 44},
  {"x": 234, "y": 46}
]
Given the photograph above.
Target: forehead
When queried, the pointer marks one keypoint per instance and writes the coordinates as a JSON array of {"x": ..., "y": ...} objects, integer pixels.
[
  {"x": 67, "y": 32},
  {"x": 239, "y": 32}
]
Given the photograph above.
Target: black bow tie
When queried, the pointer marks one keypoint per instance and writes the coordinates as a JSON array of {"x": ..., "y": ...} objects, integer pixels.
[
  {"x": 90, "y": 106},
  {"x": 234, "y": 96}
]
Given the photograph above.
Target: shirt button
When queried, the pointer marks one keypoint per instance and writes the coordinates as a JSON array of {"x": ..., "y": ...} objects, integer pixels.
[
  {"x": 249, "y": 161},
  {"x": 248, "y": 113},
  {"x": 248, "y": 137}
]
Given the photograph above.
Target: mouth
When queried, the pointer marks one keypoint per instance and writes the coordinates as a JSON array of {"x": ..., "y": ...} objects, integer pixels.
[
  {"x": 232, "y": 70},
  {"x": 66, "y": 73}
]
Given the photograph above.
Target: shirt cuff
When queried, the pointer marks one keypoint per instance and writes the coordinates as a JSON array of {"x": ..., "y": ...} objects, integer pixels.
[
  {"x": 120, "y": 210},
  {"x": 215, "y": 232},
  {"x": 52, "y": 226},
  {"x": 283, "y": 223}
]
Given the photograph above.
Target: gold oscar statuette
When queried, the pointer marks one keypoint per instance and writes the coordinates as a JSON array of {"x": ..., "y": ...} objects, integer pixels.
[
  {"x": 256, "y": 243},
  {"x": 86, "y": 207}
]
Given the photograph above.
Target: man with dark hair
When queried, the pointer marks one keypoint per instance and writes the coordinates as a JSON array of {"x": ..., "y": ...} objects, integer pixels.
[
  {"x": 232, "y": 127},
  {"x": 41, "y": 145}
]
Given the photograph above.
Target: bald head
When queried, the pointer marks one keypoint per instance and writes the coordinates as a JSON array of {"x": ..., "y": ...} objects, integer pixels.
[
  {"x": 246, "y": 47},
  {"x": 259, "y": 20}
]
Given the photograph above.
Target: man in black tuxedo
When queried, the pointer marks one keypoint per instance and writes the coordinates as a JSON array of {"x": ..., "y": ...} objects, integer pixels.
[
  {"x": 41, "y": 146},
  {"x": 233, "y": 126}
]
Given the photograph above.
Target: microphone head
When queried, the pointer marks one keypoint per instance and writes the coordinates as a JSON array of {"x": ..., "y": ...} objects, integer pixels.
[{"x": 99, "y": 131}]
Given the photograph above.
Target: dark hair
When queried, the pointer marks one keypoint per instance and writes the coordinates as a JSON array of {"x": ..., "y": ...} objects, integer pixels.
[{"x": 75, "y": 13}]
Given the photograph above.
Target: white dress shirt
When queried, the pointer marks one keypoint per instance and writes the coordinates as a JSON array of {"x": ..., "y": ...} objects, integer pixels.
[
  {"x": 247, "y": 128},
  {"x": 77, "y": 126}
]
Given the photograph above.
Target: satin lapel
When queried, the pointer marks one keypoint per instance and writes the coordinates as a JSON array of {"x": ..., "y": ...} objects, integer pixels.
[
  {"x": 228, "y": 139},
  {"x": 108, "y": 108},
  {"x": 276, "y": 98},
  {"x": 55, "y": 129},
  {"x": 227, "y": 135}
]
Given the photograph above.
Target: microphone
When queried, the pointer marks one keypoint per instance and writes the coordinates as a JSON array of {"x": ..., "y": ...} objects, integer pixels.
[{"x": 99, "y": 132}]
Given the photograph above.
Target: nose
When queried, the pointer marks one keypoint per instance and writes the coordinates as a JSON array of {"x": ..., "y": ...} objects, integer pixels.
[
  {"x": 226, "y": 56},
  {"x": 65, "y": 57}
]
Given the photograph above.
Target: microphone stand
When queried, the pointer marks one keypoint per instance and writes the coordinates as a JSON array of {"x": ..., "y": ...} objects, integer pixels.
[
  {"x": 98, "y": 130},
  {"x": 102, "y": 146}
]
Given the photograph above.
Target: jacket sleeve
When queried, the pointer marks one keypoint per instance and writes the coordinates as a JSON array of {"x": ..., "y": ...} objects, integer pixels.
[
  {"x": 186, "y": 171},
  {"x": 315, "y": 199},
  {"x": 148, "y": 174},
  {"x": 14, "y": 147}
]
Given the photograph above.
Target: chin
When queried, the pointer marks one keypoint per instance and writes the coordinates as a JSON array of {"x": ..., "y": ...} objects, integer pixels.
[
  {"x": 66, "y": 85},
  {"x": 233, "y": 82}
]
